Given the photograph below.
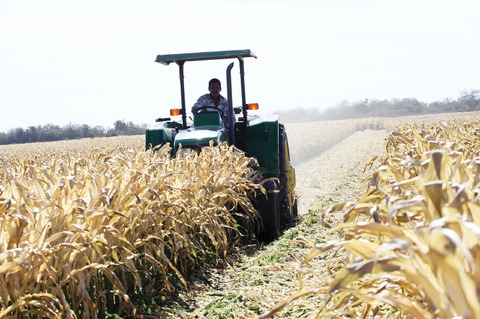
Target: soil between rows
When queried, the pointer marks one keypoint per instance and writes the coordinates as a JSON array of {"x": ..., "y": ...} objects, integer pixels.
[{"x": 255, "y": 279}]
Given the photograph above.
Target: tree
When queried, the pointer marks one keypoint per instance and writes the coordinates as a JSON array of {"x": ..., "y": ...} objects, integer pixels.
[
  {"x": 469, "y": 100},
  {"x": 120, "y": 126}
]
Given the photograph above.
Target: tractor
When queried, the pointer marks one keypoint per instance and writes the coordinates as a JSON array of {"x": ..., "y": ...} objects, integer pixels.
[{"x": 259, "y": 136}]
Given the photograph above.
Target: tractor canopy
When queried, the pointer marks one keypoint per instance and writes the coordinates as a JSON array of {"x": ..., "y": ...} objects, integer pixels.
[{"x": 201, "y": 56}]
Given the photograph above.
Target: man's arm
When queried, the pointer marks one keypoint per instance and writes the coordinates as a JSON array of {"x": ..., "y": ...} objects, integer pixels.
[{"x": 200, "y": 102}]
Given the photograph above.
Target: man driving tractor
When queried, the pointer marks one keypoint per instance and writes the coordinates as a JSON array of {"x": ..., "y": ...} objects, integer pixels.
[{"x": 213, "y": 99}]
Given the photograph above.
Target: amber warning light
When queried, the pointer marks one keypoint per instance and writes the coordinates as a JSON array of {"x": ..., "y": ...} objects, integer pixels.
[
  {"x": 253, "y": 106},
  {"x": 175, "y": 112}
]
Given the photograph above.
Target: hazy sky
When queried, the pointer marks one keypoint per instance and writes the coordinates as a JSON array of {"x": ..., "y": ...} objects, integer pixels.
[{"x": 92, "y": 62}]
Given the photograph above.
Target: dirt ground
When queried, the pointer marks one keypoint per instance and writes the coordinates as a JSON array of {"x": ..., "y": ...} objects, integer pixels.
[
  {"x": 338, "y": 167},
  {"x": 255, "y": 279}
]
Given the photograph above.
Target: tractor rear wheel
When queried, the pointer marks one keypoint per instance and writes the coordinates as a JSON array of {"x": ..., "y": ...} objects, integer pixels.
[
  {"x": 269, "y": 209},
  {"x": 288, "y": 202}
]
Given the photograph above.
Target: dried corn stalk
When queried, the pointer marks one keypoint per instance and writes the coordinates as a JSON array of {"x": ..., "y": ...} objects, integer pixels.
[
  {"x": 86, "y": 228},
  {"x": 413, "y": 238}
]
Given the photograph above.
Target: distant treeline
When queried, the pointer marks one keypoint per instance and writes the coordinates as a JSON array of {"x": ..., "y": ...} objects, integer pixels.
[
  {"x": 51, "y": 132},
  {"x": 467, "y": 101}
]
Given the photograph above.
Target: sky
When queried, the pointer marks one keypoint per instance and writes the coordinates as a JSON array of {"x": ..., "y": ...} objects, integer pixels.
[{"x": 92, "y": 62}]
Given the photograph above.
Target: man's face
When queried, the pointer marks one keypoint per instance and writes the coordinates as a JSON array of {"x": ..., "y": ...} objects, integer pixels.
[{"x": 214, "y": 89}]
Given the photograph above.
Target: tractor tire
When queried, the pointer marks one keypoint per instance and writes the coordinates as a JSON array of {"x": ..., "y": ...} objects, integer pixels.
[
  {"x": 269, "y": 209},
  {"x": 288, "y": 202}
]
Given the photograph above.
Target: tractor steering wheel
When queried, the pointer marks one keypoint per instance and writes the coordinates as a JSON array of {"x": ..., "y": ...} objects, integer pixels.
[{"x": 209, "y": 108}]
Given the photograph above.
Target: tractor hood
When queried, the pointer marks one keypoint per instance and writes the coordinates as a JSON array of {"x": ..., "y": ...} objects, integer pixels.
[{"x": 199, "y": 137}]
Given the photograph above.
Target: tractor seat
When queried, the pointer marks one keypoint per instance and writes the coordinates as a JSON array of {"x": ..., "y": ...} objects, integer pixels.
[{"x": 207, "y": 118}]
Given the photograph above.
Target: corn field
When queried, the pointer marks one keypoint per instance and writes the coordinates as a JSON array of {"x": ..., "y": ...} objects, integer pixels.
[
  {"x": 98, "y": 227},
  {"x": 413, "y": 238}
]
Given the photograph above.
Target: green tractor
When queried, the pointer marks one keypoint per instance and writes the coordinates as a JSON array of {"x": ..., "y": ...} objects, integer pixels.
[{"x": 259, "y": 136}]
